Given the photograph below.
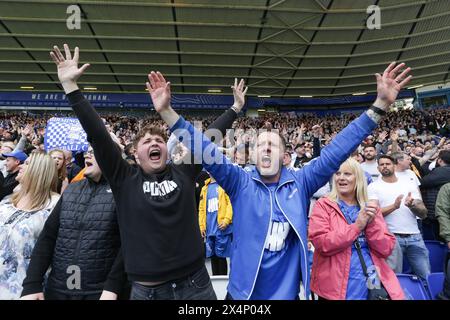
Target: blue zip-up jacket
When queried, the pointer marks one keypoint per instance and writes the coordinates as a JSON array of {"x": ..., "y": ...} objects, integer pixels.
[{"x": 252, "y": 203}]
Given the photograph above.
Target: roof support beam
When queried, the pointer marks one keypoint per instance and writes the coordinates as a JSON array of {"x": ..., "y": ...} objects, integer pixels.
[
  {"x": 126, "y": 63},
  {"x": 174, "y": 17},
  {"x": 330, "y": 4},
  {"x": 218, "y": 40},
  {"x": 121, "y": 3},
  {"x": 255, "y": 50},
  {"x": 353, "y": 49},
  {"x": 278, "y": 76}
]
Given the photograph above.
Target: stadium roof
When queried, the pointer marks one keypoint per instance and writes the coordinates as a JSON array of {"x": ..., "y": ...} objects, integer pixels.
[{"x": 283, "y": 48}]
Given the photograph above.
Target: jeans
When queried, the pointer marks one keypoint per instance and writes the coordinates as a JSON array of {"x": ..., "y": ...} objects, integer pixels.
[
  {"x": 416, "y": 252},
  {"x": 196, "y": 286},
  {"x": 50, "y": 294}
]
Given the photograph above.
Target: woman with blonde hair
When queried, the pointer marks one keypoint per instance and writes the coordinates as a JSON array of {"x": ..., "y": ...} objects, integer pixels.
[
  {"x": 22, "y": 217},
  {"x": 351, "y": 242},
  {"x": 60, "y": 160}
]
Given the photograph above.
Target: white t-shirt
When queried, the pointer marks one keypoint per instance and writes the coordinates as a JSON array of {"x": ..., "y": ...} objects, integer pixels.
[
  {"x": 408, "y": 176},
  {"x": 372, "y": 169},
  {"x": 402, "y": 132},
  {"x": 402, "y": 220}
]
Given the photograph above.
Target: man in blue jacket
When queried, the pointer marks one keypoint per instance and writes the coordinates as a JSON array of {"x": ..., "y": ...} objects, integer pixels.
[{"x": 269, "y": 259}]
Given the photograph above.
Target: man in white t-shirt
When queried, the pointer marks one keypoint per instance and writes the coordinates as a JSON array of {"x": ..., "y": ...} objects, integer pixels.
[
  {"x": 403, "y": 172},
  {"x": 402, "y": 168},
  {"x": 400, "y": 203},
  {"x": 370, "y": 163}
]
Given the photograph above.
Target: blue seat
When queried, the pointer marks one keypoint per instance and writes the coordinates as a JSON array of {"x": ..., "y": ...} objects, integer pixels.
[
  {"x": 438, "y": 252},
  {"x": 413, "y": 287},
  {"x": 435, "y": 283}
]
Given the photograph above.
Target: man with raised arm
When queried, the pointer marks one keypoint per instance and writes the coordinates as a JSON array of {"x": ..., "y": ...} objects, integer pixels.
[
  {"x": 269, "y": 258},
  {"x": 162, "y": 248}
]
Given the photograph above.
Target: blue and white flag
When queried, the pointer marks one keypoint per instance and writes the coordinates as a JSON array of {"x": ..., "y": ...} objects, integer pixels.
[{"x": 66, "y": 134}]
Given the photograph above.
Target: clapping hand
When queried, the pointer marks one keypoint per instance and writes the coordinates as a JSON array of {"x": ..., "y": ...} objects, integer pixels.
[
  {"x": 409, "y": 201},
  {"x": 398, "y": 201}
]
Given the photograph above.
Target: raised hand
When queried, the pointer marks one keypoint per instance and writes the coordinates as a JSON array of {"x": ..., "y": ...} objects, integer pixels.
[
  {"x": 159, "y": 90},
  {"x": 394, "y": 135},
  {"x": 26, "y": 132},
  {"x": 317, "y": 130},
  {"x": 382, "y": 136},
  {"x": 239, "y": 94},
  {"x": 302, "y": 128},
  {"x": 390, "y": 83},
  {"x": 68, "y": 71}
]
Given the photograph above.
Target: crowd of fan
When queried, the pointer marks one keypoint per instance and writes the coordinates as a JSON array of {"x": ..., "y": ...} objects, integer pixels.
[
  {"x": 421, "y": 136},
  {"x": 418, "y": 133},
  {"x": 414, "y": 128}
]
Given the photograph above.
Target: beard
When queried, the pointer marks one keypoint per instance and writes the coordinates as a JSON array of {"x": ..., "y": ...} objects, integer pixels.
[{"x": 387, "y": 173}]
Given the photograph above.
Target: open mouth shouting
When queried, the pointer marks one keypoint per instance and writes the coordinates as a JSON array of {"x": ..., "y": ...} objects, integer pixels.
[
  {"x": 88, "y": 163},
  {"x": 266, "y": 161},
  {"x": 155, "y": 155}
]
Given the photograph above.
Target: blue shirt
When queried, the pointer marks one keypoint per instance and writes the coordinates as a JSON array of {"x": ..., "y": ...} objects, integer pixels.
[
  {"x": 357, "y": 281},
  {"x": 279, "y": 272},
  {"x": 212, "y": 206}
]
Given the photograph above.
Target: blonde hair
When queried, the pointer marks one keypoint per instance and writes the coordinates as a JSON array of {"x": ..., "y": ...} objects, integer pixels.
[
  {"x": 62, "y": 173},
  {"x": 360, "y": 183},
  {"x": 39, "y": 180}
]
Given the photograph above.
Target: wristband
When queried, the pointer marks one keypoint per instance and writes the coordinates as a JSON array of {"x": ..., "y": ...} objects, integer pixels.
[{"x": 377, "y": 110}]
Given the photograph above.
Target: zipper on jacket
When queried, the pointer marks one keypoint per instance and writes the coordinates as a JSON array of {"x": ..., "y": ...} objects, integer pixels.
[
  {"x": 91, "y": 194},
  {"x": 262, "y": 252},
  {"x": 301, "y": 241}
]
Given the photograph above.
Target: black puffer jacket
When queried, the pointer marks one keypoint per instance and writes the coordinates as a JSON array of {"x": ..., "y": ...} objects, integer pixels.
[{"x": 82, "y": 233}]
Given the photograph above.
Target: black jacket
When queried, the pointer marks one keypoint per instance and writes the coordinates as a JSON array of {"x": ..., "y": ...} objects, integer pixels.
[
  {"x": 81, "y": 231},
  {"x": 8, "y": 185},
  {"x": 430, "y": 186}
]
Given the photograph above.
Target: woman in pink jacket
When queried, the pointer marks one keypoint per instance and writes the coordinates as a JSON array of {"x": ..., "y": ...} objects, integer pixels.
[{"x": 340, "y": 221}]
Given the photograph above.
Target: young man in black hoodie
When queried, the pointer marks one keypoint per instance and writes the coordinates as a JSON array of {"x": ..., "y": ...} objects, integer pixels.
[{"x": 156, "y": 208}]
